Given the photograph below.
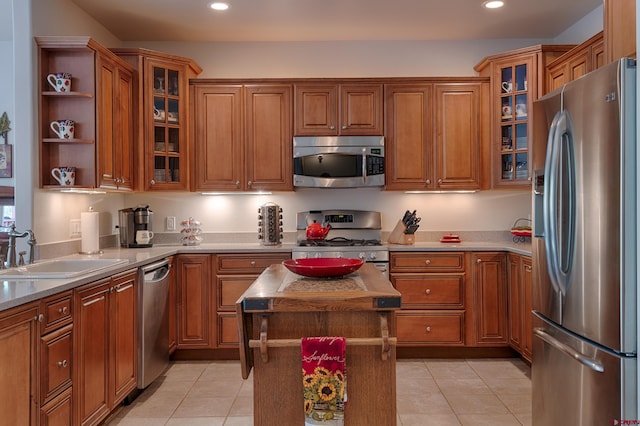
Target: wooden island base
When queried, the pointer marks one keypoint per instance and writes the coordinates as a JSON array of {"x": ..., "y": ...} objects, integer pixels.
[{"x": 271, "y": 333}]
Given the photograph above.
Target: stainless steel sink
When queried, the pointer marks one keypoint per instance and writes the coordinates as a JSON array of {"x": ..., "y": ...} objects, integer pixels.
[{"x": 59, "y": 268}]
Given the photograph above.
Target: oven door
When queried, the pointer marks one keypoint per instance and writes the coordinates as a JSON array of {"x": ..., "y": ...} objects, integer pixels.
[{"x": 338, "y": 167}]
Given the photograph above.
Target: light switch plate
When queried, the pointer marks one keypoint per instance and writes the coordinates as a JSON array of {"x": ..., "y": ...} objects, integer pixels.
[
  {"x": 75, "y": 228},
  {"x": 171, "y": 223}
]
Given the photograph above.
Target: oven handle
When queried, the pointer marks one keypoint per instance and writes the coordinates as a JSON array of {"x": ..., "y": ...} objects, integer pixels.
[{"x": 364, "y": 165}]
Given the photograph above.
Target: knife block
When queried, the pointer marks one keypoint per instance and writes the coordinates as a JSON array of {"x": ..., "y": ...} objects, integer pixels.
[{"x": 397, "y": 236}]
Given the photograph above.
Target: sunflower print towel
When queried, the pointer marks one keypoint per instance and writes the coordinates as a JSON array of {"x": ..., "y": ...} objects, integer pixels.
[{"x": 323, "y": 377}]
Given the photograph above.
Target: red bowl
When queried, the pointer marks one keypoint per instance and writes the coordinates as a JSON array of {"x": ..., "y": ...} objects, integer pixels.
[{"x": 323, "y": 267}]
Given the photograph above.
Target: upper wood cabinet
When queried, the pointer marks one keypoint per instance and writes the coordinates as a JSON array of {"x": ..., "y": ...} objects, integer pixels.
[
  {"x": 162, "y": 117},
  {"x": 517, "y": 79},
  {"x": 99, "y": 103},
  {"x": 577, "y": 62},
  {"x": 242, "y": 137},
  {"x": 619, "y": 29},
  {"x": 332, "y": 109},
  {"x": 434, "y": 135}
]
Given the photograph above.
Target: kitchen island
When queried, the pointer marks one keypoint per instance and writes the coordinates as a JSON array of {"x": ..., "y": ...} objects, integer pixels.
[{"x": 281, "y": 307}]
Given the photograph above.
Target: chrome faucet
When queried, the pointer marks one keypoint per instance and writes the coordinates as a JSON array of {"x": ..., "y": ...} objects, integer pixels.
[{"x": 11, "y": 249}]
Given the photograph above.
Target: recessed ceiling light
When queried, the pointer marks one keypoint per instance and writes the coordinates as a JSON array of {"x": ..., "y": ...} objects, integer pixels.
[
  {"x": 493, "y": 4},
  {"x": 219, "y": 6}
]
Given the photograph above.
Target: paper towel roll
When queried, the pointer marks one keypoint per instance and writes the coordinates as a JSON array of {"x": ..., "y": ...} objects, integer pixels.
[{"x": 90, "y": 228}]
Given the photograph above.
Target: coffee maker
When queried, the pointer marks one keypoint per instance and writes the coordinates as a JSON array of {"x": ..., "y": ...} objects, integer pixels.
[{"x": 133, "y": 220}]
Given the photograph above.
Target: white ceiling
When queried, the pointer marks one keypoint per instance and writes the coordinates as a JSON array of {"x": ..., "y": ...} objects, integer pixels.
[{"x": 315, "y": 20}]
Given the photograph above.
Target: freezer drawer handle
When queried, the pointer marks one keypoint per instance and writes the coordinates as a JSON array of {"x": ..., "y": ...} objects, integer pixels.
[{"x": 567, "y": 350}]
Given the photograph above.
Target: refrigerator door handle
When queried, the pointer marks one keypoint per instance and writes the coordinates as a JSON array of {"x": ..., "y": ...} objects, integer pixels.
[
  {"x": 548, "y": 202},
  {"x": 567, "y": 350}
]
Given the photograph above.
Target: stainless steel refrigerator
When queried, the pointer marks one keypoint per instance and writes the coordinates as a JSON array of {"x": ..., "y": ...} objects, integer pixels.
[{"x": 585, "y": 368}]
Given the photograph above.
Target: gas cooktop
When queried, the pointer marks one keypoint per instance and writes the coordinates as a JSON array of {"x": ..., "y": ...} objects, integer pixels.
[{"x": 340, "y": 242}]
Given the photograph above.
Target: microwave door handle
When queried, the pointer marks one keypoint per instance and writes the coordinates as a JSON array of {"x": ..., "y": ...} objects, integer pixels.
[{"x": 364, "y": 165}]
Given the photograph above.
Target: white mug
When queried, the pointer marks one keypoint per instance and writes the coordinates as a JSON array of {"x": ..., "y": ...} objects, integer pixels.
[
  {"x": 506, "y": 111},
  {"x": 158, "y": 114},
  {"x": 507, "y": 86},
  {"x": 64, "y": 129},
  {"x": 61, "y": 81},
  {"x": 66, "y": 176},
  {"x": 521, "y": 110},
  {"x": 143, "y": 236}
]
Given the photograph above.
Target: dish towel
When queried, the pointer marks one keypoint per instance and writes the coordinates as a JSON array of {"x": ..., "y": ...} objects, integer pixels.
[{"x": 324, "y": 380}]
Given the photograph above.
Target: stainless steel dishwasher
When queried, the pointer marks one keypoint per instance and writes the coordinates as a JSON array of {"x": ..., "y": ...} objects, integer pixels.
[{"x": 153, "y": 321}]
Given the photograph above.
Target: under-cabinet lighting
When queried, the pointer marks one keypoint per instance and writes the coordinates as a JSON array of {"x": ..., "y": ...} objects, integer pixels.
[
  {"x": 493, "y": 4},
  {"x": 237, "y": 193},
  {"x": 219, "y": 6},
  {"x": 459, "y": 191},
  {"x": 83, "y": 191}
]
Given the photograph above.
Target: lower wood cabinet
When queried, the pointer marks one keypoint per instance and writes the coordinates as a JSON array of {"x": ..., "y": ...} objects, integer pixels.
[
  {"x": 194, "y": 301},
  {"x": 58, "y": 411},
  {"x": 19, "y": 335},
  {"x": 489, "y": 281},
  {"x": 520, "y": 304},
  {"x": 433, "y": 286},
  {"x": 105, "y": 346}
]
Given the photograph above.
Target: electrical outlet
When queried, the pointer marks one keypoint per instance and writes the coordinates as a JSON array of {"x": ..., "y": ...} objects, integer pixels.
[
  {"x": 171, "y": 223},
  {"x": 75, "y": 228}
]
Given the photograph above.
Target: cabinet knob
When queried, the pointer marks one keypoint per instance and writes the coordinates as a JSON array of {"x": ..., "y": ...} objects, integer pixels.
[
  {"x": 527, "y": 268},
  {"x": 428, "y": 262},
  {"x": 249, "y": 184},
  {"x": 428, "y": 329},
  {"x": 152, "y": 182},
  {"x": 63, "y": 363},
  {"x": 428, "y": 182},
  {"x": 439, "y": 181},
  {"x": 253, "y": 263},
  {"x": 332, "y": 127},
  {"x": 428, "y": 291},
  {"x": 40, "y": 318},
  {"x": 63, "y": 310},
  {"x": 237, "y": 183},
  {"x": 478, "y": 261},
  {"x": 344, "y": 127}
]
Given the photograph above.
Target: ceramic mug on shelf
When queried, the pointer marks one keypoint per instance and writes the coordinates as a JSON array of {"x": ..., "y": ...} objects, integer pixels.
[
  {"x": 506, "y": 111},
  {"x": 158, "y": 114},
  {"x": 63, "y": 128},
  {"x": 66, "y": 176},
  {"x": 521, "y": 110},
  {"x": 507, "y": 86},
  {"x": 61, "y": 81},
  {"x": 143, "y": 236}
]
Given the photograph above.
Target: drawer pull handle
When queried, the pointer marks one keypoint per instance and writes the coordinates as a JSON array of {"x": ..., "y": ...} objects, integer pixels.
[
  {"x": 428, "y": 291},
  {"x": 63, "y": 363},
  {"x": 428, "y": 262},
  {"x": 63, "y": 310},
  {"x": 253, "y": 263},
  {"x": 428, "y": 329},
  {"x": 478, "y": 261}
]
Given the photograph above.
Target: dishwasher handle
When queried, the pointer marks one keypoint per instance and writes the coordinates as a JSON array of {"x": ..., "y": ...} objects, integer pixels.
[{"x": 152, "y": 270}]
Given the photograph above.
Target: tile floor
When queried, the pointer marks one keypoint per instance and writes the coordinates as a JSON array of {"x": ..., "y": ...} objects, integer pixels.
[{"x": 438, "y": 392}]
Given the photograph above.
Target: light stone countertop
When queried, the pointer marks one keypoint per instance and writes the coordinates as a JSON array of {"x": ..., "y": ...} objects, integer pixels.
[{"x": 17, "y": 292}]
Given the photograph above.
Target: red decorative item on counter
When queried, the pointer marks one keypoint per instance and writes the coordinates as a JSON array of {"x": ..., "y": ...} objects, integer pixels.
[
  {"x": 315, "y": 231},
  {"x": 323, "y": 267},
  {"x": 450, "y": 238}
]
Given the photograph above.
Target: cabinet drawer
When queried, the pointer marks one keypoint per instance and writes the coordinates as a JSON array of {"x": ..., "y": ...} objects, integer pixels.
[
  {"x": 430, "y": 291},
  {"x": 58, "y": 411},
  {"x": 56, "y": 362},
  {"x": 230, "y": 288},
  {"x": 57, "y": 311},
  {"x": 423, "y": 327},
  {"x": 227, "y": 329},
  {"x": 427, "y": 262},
  {"x": 247, "y": 263}
]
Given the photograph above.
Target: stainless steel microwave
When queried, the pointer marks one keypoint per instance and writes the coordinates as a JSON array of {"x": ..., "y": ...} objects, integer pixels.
[{"x": 338, "y": 161}]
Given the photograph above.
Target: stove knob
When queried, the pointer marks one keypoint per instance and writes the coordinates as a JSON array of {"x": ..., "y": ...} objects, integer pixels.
[
  {"x": 318, "y": 255},
  {"x": 339, "y": 255},
  {"x": 362, "y": 255},
  {"x": 372, "y": 256}
]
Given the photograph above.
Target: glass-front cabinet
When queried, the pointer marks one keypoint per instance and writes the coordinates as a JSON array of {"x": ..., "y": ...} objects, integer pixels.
[{"x": 515, "y": 102}]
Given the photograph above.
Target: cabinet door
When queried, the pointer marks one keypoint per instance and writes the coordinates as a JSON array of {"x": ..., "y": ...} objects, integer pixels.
[
  {"x": 408, "y": 131},
  {"x": 114, "y": 126},
  {"x": 361, "y": 111},
  {"x": 219, "y": 138},
  {"x": 19, "y": 359},
  {"x": 619, "y": 29},
  {"x": 268, "y": 158},
  {"x": 123, "y": 336},
  {"x": 165, "y": 115},
  {"x": 316, "y": 110},
  {"x": 195, "y": 301},
  {"x": 91, "y": 353},
  {"x": 458, "y": 137},
  {"x": 515, "y": 302},
  {"x": 557, "y": 76},
  {"x": 527, "y": 315},
  {"x": 490, "y": 291}
]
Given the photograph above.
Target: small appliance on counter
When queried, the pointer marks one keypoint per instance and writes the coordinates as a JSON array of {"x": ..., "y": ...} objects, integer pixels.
[
  {"x": 270, "y": 224},
  {"x": 135, "y": 227},
  {"x": 191, "y": 230}
]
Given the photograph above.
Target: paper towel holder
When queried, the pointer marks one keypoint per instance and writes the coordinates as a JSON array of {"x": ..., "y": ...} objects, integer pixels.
[{"x": 90, "y": 230}]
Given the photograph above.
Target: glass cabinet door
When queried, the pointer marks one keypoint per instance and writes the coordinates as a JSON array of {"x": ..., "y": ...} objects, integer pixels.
[
  {"x": 515, "y": 101},
  {"x": 168, "y": 142}
]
